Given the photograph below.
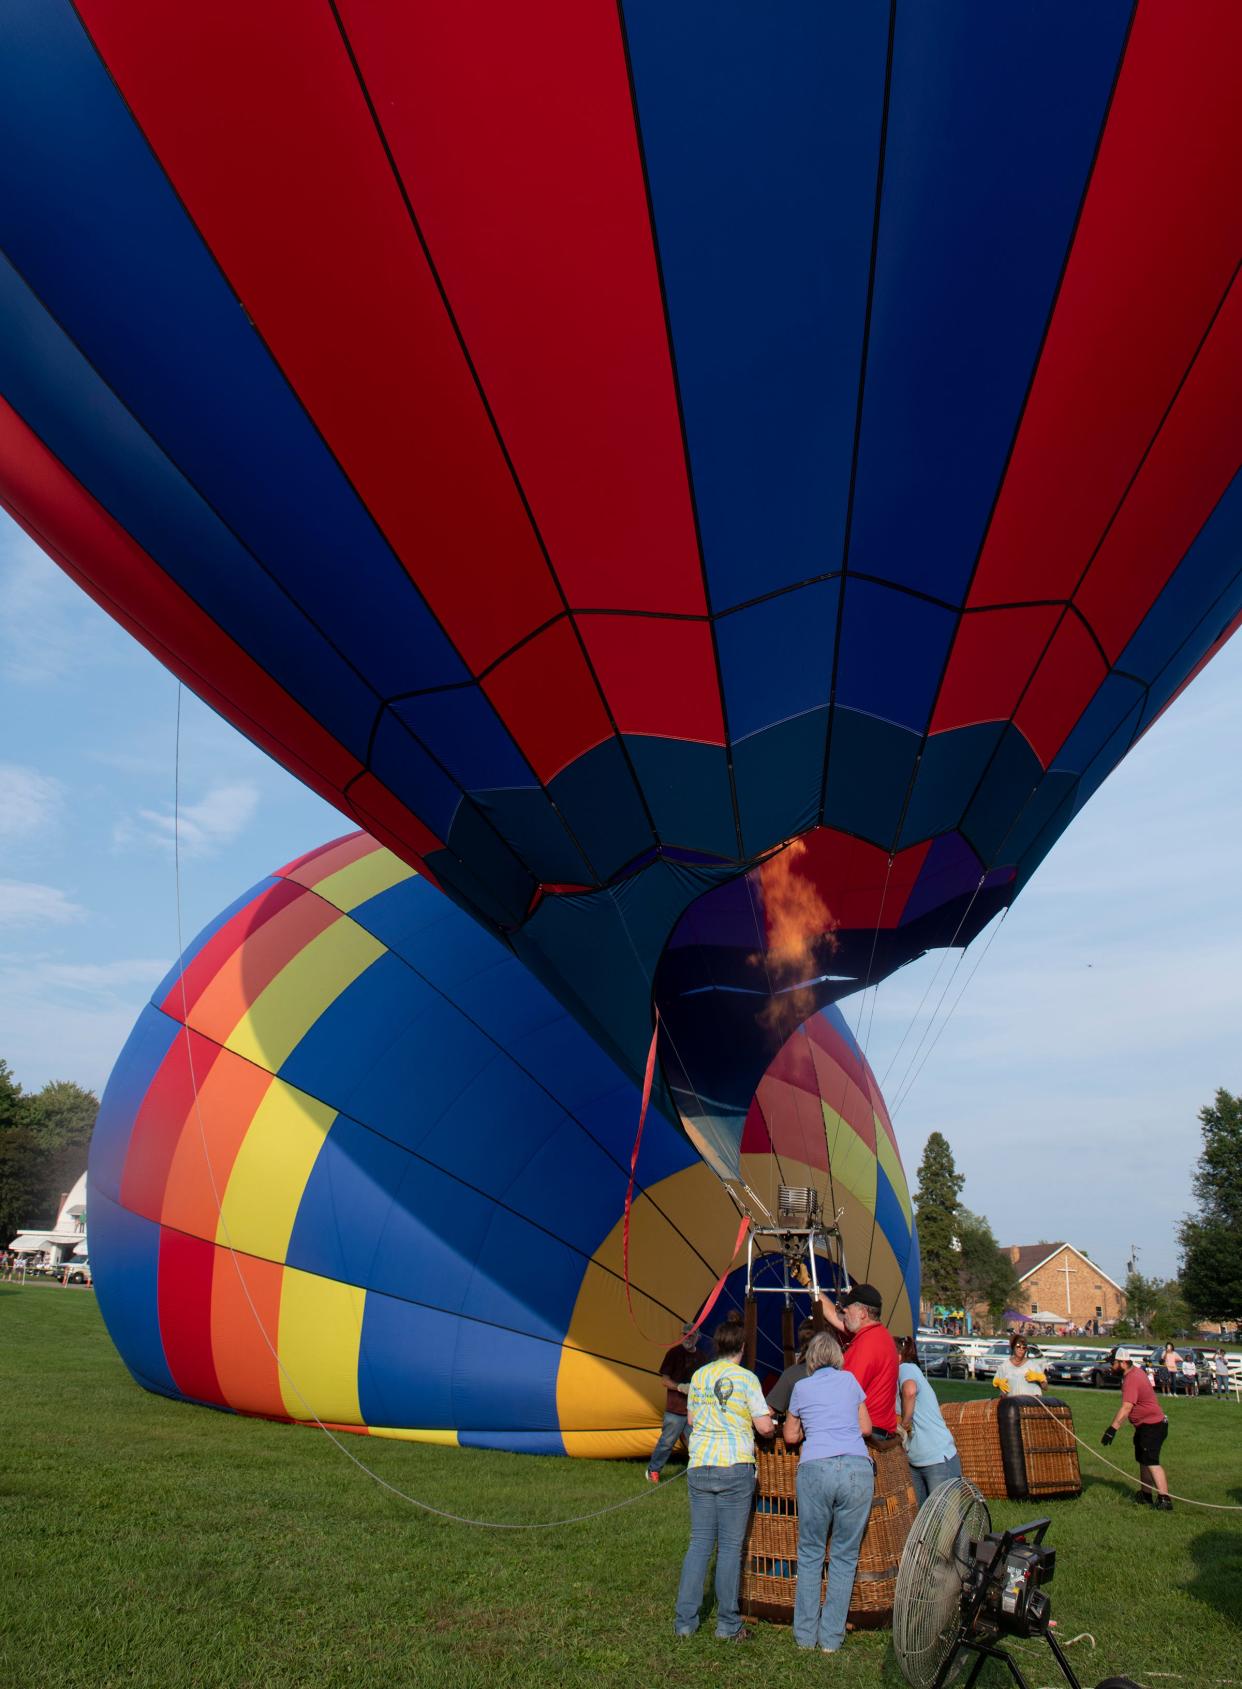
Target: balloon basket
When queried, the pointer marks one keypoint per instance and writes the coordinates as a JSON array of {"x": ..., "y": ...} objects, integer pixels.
[
  {"x": 770, "y": 1554},
  {"x": 1016, "y": 1448}
]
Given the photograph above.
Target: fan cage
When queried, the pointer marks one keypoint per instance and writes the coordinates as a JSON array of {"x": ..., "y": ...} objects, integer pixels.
[{"x": 927, "y": 1601}]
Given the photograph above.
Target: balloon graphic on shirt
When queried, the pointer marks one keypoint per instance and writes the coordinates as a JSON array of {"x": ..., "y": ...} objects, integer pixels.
[
  {"x": 356, "y": 1164},
  {"x": 434, "y": 423}
]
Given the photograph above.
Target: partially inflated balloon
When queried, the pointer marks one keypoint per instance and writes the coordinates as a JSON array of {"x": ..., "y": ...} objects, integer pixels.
[
  {"x": 381, "y": 1180},
  {"x": 596, "y": 445}
]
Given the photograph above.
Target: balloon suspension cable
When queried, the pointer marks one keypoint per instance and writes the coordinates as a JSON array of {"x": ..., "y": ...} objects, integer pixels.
[
  {"x": 223, "y": 1231},
  {"x": 905, "y": 1089}
]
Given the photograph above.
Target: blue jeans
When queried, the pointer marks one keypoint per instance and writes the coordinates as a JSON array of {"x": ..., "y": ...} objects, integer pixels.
[
  {"x": 720, "y": 1498},
  {"x": 927, "y": 1478},
  {"x": 834, "y": 1496},
  {"x": 674, "y": 1425}
]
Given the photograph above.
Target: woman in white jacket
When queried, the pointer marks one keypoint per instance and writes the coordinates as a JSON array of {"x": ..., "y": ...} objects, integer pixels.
[{"x": 1019, "y": 1376}]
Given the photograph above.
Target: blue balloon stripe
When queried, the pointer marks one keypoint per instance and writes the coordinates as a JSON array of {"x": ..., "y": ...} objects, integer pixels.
[
  {"x": 761, "y": 128},
  {"x": 994, "y": 117}
]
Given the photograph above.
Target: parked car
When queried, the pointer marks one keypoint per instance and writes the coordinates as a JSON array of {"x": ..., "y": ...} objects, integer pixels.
[
  {"x": 934, "y": 1355},
  {"x": 1072, "y": 1366},
  {"x": 77, "y": 1271},
  {"x": 1102, "y": 1375}
]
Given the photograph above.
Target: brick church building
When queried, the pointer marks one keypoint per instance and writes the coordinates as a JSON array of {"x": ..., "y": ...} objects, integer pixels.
[{"x": 1056, "y": 1278}]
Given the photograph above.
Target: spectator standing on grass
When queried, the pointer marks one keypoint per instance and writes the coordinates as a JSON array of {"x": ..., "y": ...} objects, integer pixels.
[
  {"x": 1019, "y": 1376},
  {"x": 930, "y": 1448},
  {"x": 836, "y": 1479},
  {"x": 725, "y": 1407},
  {"x": 1190, "y": 1375},
  {"x": 1220, "y": 1369},
  {"x": 677, "y": 1368},
  {"x": 870, "y": 1354},
  {"x": 1140, "y": 1407}
]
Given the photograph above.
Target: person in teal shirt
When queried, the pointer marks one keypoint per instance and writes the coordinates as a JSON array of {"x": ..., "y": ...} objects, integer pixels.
[{"x": 930, "y": 1448}]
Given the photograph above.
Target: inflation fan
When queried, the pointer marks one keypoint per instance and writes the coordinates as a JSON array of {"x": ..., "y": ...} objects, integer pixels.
[{"x": 962, "y": 1588}]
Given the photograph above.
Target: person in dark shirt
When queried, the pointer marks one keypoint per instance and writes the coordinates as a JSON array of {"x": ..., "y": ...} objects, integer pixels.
[
  {"x": 677, "y": 1368},
  {"x": 871, "y": 1354},
  {"x": 779, "y": 1394}
]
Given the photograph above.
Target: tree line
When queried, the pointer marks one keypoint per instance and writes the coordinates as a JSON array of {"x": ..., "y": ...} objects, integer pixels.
[
  {"x": 44, "y": 1137},
  {"x": 963, "y": 1264}
]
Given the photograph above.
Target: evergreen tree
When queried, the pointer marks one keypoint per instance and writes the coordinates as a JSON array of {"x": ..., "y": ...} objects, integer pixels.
[
  {"x": 1211, "y": 1240},
  {"x": 22, "y": 1162},
  {"x": 935, "y": 1212}
]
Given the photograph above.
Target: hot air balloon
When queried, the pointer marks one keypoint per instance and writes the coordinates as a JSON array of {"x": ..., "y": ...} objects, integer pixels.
[
  {"x": 665, "y": 473},
  {"x": 356, "y": 1165}
]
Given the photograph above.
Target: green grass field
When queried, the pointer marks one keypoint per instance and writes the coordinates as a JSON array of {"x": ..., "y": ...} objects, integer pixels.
[{"x": 150, "y": 1543}]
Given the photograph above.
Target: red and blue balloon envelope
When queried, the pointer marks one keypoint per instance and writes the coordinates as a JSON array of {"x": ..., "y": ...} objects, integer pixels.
[{"x": 713, "y": 489}]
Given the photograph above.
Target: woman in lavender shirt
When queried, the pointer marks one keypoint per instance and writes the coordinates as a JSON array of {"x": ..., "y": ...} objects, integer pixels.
[{"x": 835, "y": 1484}]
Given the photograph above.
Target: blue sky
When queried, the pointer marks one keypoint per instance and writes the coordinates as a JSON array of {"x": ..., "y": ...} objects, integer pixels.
[{"x": 1067, "y": 1078}]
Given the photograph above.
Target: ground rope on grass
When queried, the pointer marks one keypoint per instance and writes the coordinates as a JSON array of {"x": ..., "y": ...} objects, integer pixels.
[{"x": 1189, "y": 1501}]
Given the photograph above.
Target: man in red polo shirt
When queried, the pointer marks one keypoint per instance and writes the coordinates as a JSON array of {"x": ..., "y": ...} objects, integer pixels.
[
  {"x": 1140, "y": 1407},
  {"x": 870, "y": 1353}
]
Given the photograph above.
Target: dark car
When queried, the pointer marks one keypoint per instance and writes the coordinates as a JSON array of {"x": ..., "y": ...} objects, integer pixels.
[
  {"x": 934, "y": 1356},
  {"x": 1072, "y": 1366},
  {"x": 1102, "y": 1375}
]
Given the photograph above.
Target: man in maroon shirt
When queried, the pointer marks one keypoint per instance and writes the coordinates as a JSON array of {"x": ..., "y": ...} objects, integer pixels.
[
  {"x": 1139, "y": 1406},
  {"x": 677, "y": 1368},
  {"x": 871, "y": 1355}
]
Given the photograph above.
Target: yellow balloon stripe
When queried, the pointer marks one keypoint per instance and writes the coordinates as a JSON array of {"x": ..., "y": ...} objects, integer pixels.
[
  {"x": 269, "y": 1175},
  {"x": 320, "y": 1331},
  {"x": 360, "y": 881},
  {"x": 283, "y": 1013}
]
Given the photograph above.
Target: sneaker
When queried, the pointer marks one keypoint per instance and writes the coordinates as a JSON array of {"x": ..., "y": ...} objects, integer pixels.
[
  {"x": 1162, "y": 1504},
  {"x": 743, "y": 1635},
  {"x": 652, "y": 1477},
  {"x": 1145, "y": 1496}
]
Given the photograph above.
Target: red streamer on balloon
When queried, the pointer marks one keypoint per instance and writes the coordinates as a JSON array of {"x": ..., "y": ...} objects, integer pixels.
[{"x": 648, "y": 1078}]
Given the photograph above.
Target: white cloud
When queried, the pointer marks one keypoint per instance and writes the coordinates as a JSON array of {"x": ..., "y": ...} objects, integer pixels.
[
  {"x": 99, "y": 978},
  {"x": 29, "y": 801},
  {"x": 24, "y": 903},
  {"x": 200, "y": 829},
  {"x": 49, "y": 629},
  {"x": 69, "y": 1020}
]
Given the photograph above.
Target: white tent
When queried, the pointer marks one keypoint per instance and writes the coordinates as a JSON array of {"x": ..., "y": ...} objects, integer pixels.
[{"x": 1046, "y": 1319}]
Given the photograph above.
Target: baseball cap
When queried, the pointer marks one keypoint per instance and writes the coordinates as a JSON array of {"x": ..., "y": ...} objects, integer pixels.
[{"x": 867, "y": 1294}]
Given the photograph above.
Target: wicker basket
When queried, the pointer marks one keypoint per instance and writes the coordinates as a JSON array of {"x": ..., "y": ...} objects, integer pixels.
[
  {"x": 770, "y": 1557},
  {"x": 976, "y": 1431},
  {"x": 1019, "y": 1448},
  {"x": 1050, "y": 1454}
]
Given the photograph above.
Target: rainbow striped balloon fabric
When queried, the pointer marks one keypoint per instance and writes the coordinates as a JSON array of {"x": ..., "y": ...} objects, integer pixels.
[{"x": 356, "y": 1165}]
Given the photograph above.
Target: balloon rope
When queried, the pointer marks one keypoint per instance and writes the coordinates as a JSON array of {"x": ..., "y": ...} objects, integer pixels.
[
  {"x": 1215, "y": 1506},
  {"x": 720, "y": 1282},
  {"x": 648, "y": 1076},
  {"x": 223, "y": 1231}
]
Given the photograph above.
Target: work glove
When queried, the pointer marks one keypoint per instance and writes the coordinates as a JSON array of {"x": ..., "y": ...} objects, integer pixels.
[
  {"x": 1108, "y": 1436},
  {"x": 1001, "y": 1384}
]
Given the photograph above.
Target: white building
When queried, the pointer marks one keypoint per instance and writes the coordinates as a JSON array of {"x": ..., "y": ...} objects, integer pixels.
[{"x": 67, "y": 1237}]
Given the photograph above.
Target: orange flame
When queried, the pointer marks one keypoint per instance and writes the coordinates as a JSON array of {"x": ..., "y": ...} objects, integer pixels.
[{"x": 799, "y": 924}]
